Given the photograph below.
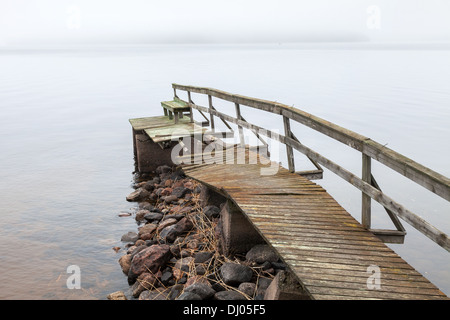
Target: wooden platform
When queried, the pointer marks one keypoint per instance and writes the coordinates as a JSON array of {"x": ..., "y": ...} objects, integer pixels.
[
  {"x": 161, "y": 128},
  {"x": 324, "y": 246}
]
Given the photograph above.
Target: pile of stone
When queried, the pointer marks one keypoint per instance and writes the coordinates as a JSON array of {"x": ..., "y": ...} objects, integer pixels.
[{"x": 175, "y": 253}]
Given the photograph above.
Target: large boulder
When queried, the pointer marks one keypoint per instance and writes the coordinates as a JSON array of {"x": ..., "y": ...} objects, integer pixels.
[{"x": 150, "y": 260}]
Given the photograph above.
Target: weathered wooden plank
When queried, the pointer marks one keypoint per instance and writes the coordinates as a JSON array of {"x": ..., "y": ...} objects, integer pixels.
[
  {"x": 311, "y": 271},
  {"x": 373, "y": 293},
  {"x": 152, "y": 122},
  {"x": 359, "y": 284},
  {"x": 340, "y": 267}
]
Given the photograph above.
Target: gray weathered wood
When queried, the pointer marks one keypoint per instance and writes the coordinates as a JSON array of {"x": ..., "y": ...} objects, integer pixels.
[
  {"x": 418, "y": 173},
  {"x": 289, "y": 151},
  {"x": 241, "y": 130},
  {"x": 366, "y": 205},
  {"x": 210, "y": 110}
]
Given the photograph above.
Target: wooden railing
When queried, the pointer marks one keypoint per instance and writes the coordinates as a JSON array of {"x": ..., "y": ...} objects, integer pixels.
[{"x": 369, "y": 149}]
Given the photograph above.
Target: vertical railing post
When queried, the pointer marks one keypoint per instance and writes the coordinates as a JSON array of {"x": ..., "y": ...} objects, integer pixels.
[
  {"x": 241, "y": 131},
  {"x": 191, "y": 114},
  {"x": 211, "y": 116},
  {"x": 366, "y": 211},
  {"x": 289, "y": 151},
  {"x": 175, "y": 93}
]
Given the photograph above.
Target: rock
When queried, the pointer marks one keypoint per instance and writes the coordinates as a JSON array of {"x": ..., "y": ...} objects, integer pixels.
[
  {"x": 175, "y": 291},
  {"x": 165, "y": 232},
  {"x": 166, "y": 277},
  {"x": 140, "y": 214},
  {"x": 266, "y": 265},
  {"x": 138, "y": 195},
  {"x": 200, "y": 269},
  {"x": 166, "y": 192},
  {"x": 170, "y": 199},
  {"x": 247, "y": 288},
  {"x": 177, "y": 217},
  {"x": 150, "y": 260},
  {"x": 159, "y": 191},
  {"x": 203, "y": 256},
  {"x": 149, "y": 186},
  {"x": 155, "y": 294},
  {"x": 229, "y": 295},
  {"x": 163, "y": 169},
  {"x": 147, "y": 228},
  {"x": 263, "y": 284},
  {"x": 182, "y": 266},
  {"x": 192, "y": 244},
  {"x": 137, "y": 249},
  {"x": 118, "y": 295},
  {"x": 188, "y": 184},
  {"x": 279, "y": 265},
  {"x": 116, "y": 249},
  {"x": 180, "y": 192},
  {"x": 201, "y": 289},
  {"x": 182, "y": 226},
  {"x": 139, "y": 243},
  {"x": 177, "y": 175},
  {"x": 165, "y": 223},
  {"x": 124, "y": 214},
  {"x": 146, "y": 206},
  {"x": 261, "y": 253},
  {"x": 153, "y": 216},
  {"x": 197, "y": 279},
  {"x": 233, "y": 273},
  {"x": 130, "y": 237},
  {"x": 147, "y": 236},
  {"x": 125, "y": 263},
  {"x": 189, "y": 296},
  {"x": 145, "y": 281},
  {"x": 211, "y": 211}
]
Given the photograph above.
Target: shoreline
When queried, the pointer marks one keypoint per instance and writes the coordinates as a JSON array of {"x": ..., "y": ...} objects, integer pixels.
[{"x": 176, "y": 251}]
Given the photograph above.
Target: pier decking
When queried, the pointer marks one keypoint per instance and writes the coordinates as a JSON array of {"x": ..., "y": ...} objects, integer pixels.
[
  {"x": 328, "y": 250},
  {"x": 332, "y": 255}
]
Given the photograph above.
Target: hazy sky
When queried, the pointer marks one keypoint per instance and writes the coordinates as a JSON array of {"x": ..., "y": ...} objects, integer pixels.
[{"x": 102, "y": 21}]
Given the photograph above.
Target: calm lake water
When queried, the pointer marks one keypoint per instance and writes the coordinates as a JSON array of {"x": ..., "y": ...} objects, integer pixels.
[{"x": 66, "y": 150}]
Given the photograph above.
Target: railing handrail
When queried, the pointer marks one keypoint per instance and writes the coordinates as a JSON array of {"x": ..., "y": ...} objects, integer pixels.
[{"x": 429, "y": 179}]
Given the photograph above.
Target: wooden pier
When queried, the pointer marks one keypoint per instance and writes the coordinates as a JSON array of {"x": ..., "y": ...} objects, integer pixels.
[{"x": 331, "y": 254}]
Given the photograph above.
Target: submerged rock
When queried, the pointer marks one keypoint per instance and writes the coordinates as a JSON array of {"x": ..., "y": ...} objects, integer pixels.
[{"x": 129, "y": 237}]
